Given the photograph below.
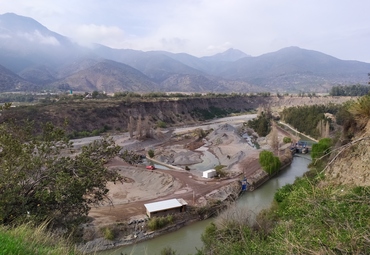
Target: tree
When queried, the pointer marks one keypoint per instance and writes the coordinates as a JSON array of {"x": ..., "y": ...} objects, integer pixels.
[
  {"x": 147, "y": 129},
  {"x": 274, "y": 139},
  {"x": 269, "y": 162},
  {"x": 130, "y": 126},
  {"x": 95, "y": 94},
  {"x": 139, "y": 128},
  {"x": 40, "y": 180}
]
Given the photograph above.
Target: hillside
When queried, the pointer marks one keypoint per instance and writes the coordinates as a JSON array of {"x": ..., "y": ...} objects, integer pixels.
[
  {"x": 108, "y": 76},
  {"x": 48, "y": 59},
  {"x": 9, "y": 81}
]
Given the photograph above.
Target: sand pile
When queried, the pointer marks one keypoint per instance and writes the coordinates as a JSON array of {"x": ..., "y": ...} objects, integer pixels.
[
  {"x": 229, "y": 146},
  {"x": 146, "y": 184}
]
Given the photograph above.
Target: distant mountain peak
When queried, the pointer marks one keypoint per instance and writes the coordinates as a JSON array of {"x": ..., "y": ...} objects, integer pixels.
[
  {"x": 229, "y": 55},
  {"x": 19, "y": 23}
]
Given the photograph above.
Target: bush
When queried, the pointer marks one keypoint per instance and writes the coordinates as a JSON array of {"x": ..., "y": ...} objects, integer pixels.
[
  {"x": 161, "y": 124},
  {"x": 220, "y": 172},
  {"x": 156, "y": 223},
  {"x": 287, "y": 139},
  {"x": 151, "y": 153},
  {"x": 321, "y": 148},
  {"x": 168, "y": 251},
  {"x": 108, "y": 233}
]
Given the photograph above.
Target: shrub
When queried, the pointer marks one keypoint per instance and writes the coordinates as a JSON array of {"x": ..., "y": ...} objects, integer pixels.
[
  {"x": 287, "y": 139},
  {"x": 161, "y": 124},
  {"x": 168, "y": 251},
  {"x": 220, "y": 172},
  {"x": 361, "y": 110},
  {"x": 156, "y": 223},
  {"x": 321, "y": 148},
  {"x": 151, "y": 153},
  {"x": 108, "y": 233}
]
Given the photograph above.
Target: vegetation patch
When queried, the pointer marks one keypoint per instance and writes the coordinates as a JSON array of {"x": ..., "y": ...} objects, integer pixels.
[
  {"x": 156, "y": 223},
  {"x": 270, "y": 164},
  {"x": 211, "y": 113},
  {"x": 26, "y": 239}
]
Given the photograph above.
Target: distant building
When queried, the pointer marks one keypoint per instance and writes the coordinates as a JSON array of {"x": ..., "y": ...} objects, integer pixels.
[
  {"x": 209, "y": 173},
  {"x": 165, "y": 207}
]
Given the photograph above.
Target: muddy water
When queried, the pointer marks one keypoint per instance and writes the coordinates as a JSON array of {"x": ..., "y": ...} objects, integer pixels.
[{"x": 186, "y": 240}]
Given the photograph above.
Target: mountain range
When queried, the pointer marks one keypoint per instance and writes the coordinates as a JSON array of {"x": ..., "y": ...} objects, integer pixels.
[{"x": 33, "y": 58}]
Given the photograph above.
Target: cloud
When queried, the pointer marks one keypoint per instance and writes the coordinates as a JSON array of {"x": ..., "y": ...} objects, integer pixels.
[
  {"x": 111, "y": 36},
  {"x": 37, "y": 37},
  {"x": 5, "y": 36}
]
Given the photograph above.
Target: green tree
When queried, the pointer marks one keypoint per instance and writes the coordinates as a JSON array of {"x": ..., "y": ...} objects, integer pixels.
[
  {"x": 40, "y": 180},
  {"x": 269, "y": 162},
  {"x": 151, "y": 153},
  {"x": 95, "y": 94}
]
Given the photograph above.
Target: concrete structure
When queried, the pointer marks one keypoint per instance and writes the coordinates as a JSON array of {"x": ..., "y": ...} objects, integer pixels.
[
  {"x": 209, "y": 173},
  {"x": 165, "y": 207}
]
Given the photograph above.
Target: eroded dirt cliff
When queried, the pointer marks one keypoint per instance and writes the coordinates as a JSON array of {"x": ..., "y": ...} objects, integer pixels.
[
  {"x": 113, "y": 115},
  {"x": 352, "y": 163}
]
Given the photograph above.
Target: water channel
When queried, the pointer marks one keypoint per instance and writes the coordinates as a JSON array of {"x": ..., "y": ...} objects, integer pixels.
[{"x": 188, "y": 239}]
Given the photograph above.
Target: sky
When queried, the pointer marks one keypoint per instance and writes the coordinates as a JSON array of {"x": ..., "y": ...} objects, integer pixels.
[{"x": 340, "y": 28}]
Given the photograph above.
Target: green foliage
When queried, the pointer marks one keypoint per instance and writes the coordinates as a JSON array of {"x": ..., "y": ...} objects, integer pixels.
[
  {"x": 306, "y": 118},
  {"x": 16, "y": 97},
  {"x": 200, "y": 133},
  {"x": 283, "y": 192},
  {"x": 261, "y": 124},
  {"x": 321, "y": 148},
  {"x": 26, "y": 239},
  {"x": 353, "y": 90},
  {"x": 151, "y": 153},
  {"x": 307, "y": 219},
  {"x": 130, "y": 157},
  {"x": 161, "y": 124},
  {"x": 39, "y": 180},
  {"x": 211, "y": 113},
  {"x": 220, "y": 172},
  {"x": 156, "y": 223},
  {"x": 108, "y": 233},
  {"x": 168, "y": 251},
  {"x": 269, "y": 162},
  {"x": 361, "y": 111},
  {"x": 126, "y": 95},
  {"x": 287, "y": 139},
  {"x": 81, "y": 134}
]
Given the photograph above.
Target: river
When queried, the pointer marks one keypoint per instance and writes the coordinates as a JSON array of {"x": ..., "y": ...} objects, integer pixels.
[{"x": 187, "y": 239}]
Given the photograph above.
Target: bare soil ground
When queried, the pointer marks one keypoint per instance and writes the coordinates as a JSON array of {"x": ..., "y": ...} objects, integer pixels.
[{"x": 143, "y": 186}]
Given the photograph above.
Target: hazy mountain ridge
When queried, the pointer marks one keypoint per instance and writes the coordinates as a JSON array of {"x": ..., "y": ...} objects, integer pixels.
[
  {"x": 10, "y": 82},
  {"x": 108, "y": 76},
  {"x": 50, "y": 60}
]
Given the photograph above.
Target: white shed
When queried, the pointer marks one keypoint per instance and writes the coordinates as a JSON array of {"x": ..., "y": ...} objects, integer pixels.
[
  {"x": 209, "y": 173},
  {"x": 165, "y": 207}
]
